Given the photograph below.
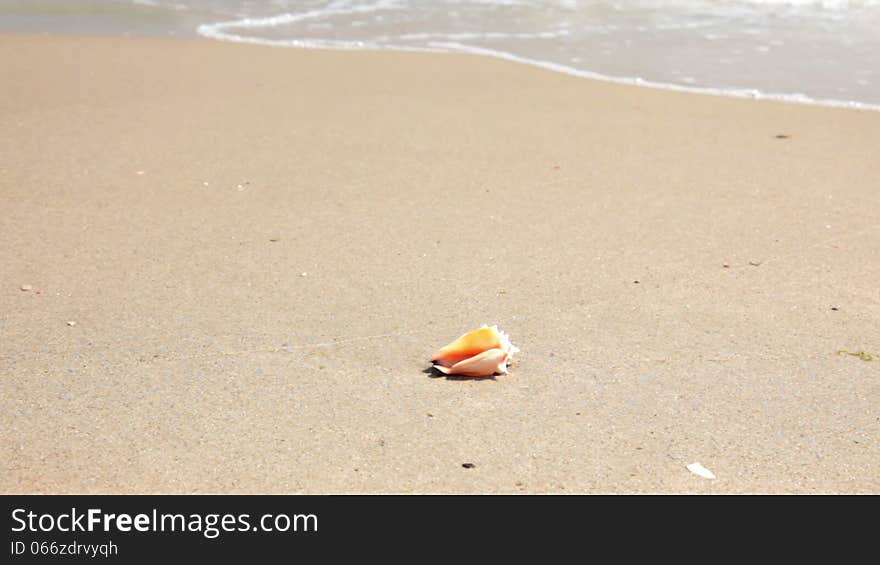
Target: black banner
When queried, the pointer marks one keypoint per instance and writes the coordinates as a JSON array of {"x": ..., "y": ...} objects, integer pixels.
[{"x": 148, "y": 528}]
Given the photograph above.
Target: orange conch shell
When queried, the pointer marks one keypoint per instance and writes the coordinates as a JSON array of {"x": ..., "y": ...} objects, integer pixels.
[{"x": 480, "y": 353}]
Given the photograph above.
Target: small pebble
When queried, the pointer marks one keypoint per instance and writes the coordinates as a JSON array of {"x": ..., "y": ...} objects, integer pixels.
[
  {"x": 468, "y": 465},
  {"x": 26, "y": 287},
  {"x": 71, "y": 323},
  {"x": 303, "y": 274}
]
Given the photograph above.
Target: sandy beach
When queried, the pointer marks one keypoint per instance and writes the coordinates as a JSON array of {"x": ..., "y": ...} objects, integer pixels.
[{"x": 225, "y": 269}]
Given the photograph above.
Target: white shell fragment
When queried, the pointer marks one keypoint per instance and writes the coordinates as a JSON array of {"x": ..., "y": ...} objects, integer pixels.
[{"x": 698, "y": 469}]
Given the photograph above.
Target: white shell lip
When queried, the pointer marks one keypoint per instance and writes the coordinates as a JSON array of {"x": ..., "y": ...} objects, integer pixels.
[{"x": 506, "y": 345}]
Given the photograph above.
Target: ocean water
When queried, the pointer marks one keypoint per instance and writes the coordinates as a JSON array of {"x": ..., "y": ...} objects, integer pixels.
[{"x": 811, "y": 51}]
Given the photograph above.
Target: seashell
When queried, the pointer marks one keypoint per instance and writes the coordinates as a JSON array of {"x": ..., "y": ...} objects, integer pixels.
[{"x": 480, "y": 353}]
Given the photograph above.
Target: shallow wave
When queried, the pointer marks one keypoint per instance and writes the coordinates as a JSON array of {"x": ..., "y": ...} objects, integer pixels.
[{"x": 255, "y": 29}]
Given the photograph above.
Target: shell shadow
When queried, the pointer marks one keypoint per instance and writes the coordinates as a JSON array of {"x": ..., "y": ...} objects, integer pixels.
[{"x": 435, "y": 374}]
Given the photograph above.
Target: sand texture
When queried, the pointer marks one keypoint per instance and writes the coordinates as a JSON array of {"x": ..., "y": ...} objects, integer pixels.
[{"x": 225, "y": 267}]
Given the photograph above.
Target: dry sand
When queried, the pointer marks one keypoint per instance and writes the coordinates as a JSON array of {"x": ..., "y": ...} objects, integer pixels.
[{"x": 260, "y": 249}]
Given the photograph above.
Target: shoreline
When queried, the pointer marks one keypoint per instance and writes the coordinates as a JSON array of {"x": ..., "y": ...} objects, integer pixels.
[
  {"x": 227, "y": 267},
  {"x": 214, "y": 32},
  {"x": 209, "y": 32}
]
